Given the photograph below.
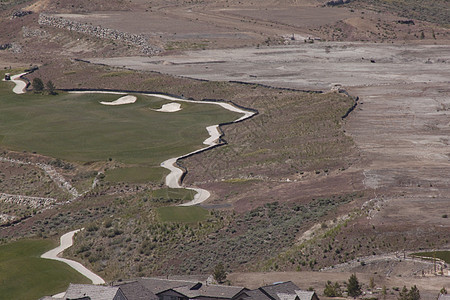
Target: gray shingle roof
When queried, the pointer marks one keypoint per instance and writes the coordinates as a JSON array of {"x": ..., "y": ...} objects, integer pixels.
[
  {"x": 158, "y": 285},
  {"x": 136, "y": 291},
  {"x": 191, "y": 289},
  {"x": 283, "y": 296},
  {"x": 257, "y": 295},
  {"x": 94, "y": 292},
  {"x": 212, "y": 290},
  {"x": 272, "y": 290},
  {"x": 306, "y": 295}
]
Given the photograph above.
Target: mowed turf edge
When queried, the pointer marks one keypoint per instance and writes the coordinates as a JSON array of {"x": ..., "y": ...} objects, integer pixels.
[
  {"x": 24, "y": 275},
  {"x": 76, "y": 127}
]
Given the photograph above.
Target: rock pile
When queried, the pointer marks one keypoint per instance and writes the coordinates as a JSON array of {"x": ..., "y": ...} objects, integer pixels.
[
  {"x": 33, "y": 202},
  {"x": 21, "y": 13},
  {"x": 30, "y": 32},
  {"x": 5, "y": 46},
  {"x": 105, "y": 33}
]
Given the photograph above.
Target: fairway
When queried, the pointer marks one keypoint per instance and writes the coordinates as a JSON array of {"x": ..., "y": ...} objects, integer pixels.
[
  {"x": 444, "y": 255},
  {"x": 136, "y": 175},
  {"x": 188, "y": 214},
  {"x": 23, "y": 275},
  {"x": 76, "y": 127}
]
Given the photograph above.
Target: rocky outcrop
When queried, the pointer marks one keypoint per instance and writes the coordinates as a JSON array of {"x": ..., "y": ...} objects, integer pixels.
[
  {"x": 33, "y": 202},
  {"x": 138, "y": 40}
]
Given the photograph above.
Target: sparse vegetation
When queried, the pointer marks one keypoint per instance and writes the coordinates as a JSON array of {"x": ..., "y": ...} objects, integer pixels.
[
  {"x": 38, "y": 85},
  {"x": 354, "y": 288}
]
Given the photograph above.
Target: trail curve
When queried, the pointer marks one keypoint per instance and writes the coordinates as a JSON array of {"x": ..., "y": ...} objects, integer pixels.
[
  {"x": 66, "y": 241},
  {"x": 20, "y": 85},
  {"x": 173, "y": 180}
]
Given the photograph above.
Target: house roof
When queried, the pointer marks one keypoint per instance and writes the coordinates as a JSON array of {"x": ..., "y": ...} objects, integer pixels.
[
  {"x": 94, "y": 292},
  {"x": 158, "y": 285},
  {"x": 211, "y": 290},
  {"x": 257, "y": 295},
  {"x": 191, "y": 289},
  {"x": 306, "y": 295},
  {"x": 136, "y": 291},
  {"x": 283, "y": 296},
  {"x": 273, "y": 290}
]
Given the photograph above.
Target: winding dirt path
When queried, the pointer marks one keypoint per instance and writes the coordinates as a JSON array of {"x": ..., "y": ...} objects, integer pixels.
[
  {"x": 173, "y": 180},
  {"x": 66, "y": 242},
  {"x": 20, "y": 85}
]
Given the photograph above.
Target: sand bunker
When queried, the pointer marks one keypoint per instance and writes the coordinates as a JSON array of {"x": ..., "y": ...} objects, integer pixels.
[
  {"x": 170, "y": 107},
  {"x": 122, "y": 100}
]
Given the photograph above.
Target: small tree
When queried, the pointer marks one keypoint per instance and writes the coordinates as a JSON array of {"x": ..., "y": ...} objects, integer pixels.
[
  {"x": 372, "y": 283},
  {"x": 332, "y": 290},
  {"x": 219, "y": 273},
  {"x": 38, "y": 85},
  {"x": 50, "y": 88},
  {"x": 414, "y": 293},
  {"x": 384, "y": 292},
  {"x": 353, "y": 286},
  {"x": 403, "y": 294}
]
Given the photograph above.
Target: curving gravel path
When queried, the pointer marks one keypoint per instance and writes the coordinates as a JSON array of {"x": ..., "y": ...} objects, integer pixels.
[
  {"x": 174, "y": 177},
  {"x": 66, "y": 242},
  {"x": 20, "y": 84}
]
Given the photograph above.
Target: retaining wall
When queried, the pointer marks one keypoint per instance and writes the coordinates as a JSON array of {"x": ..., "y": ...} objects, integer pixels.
[{"x": 138, "y": 40}]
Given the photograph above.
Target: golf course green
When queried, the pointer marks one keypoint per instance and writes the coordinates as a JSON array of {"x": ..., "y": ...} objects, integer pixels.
[
  {"x": 24, "y": 275},
  {"x": 76, "y": 127}
]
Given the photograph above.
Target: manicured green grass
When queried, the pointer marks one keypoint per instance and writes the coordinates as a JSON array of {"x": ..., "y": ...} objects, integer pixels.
[
  {"x": 167, "y": 195},
  {"x": 179, "y": 214},
  {"x": 444, "y": 255},
  {"x": 76, "y": 127},
  {"x": 23, "y": 275},
  {"x": 137, "y": 174}
]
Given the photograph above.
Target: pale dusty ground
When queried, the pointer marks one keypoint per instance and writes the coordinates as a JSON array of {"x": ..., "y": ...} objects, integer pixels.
[
  {"x": 401, "y": 124},
  {"x": 428, "y": 286}
]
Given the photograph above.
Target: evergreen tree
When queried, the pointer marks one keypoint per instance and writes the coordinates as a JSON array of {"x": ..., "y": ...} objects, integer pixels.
[
  {"x": 219, "y": 273},
  {"x": 50, "y": 88},
  {"x": 403, "y": 294},
  {"x": 38, "y": 85},
  {"x": 353, "y": 286},
  {"x": 332, "y": 290},
  {"x": 414, "y": 293}
]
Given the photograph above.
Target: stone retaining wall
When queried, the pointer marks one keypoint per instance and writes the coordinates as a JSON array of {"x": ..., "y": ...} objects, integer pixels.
[
  {"x": 138, "y": 40},
  {"x": 34, "y": 202}
]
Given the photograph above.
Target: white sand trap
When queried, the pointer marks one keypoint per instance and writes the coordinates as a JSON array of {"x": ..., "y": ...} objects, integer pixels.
[
  {"x": 128, "y": 99},
  {"x": 66, "y": 242},
  {"x": 170, "y": 107}
]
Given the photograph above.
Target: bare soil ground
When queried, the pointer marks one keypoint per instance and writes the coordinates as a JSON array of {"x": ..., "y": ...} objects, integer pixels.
[
  {"x": 428, "y": 286},
  {"x": 396, "y": 149}
]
